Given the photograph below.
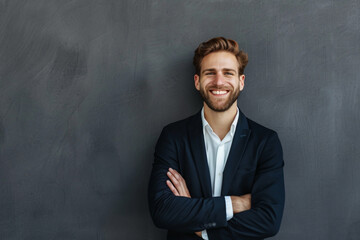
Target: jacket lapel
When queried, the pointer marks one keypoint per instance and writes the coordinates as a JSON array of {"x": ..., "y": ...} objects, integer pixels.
[
  {"x": 199, "y": 154},
  {"x": 238, "y": 146}
]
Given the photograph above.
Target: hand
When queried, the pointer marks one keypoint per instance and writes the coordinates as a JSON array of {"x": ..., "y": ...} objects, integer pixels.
[
  {"x": 241, "y": 203},
  {"x": 177, "y": 184}
]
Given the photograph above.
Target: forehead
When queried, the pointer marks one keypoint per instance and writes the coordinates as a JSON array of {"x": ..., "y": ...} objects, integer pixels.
[{"x": 219, "y": 60}]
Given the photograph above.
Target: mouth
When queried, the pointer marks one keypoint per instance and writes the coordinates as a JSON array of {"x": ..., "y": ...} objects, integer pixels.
[{"x": 219, "y": 92}]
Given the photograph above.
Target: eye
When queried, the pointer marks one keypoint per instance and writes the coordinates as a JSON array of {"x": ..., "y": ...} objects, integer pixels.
[{"x": 209, "y": 73}]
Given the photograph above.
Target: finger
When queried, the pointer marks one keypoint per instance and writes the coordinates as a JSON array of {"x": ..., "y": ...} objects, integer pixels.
[
  {"x": 180, "y": 182},
  {"x": 179, "y": 185},
  {"x": 176, "y": 174},
  {"x": 173, "y": 179},
  {"x": 172, "y": 188}
]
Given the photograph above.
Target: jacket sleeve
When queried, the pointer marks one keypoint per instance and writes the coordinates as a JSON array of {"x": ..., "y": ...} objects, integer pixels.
[
  {"x": 267, "y": 199},
  {"x": 179, "y": 213}
]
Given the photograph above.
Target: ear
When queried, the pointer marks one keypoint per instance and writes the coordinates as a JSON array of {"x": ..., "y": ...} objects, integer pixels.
[
  {"x": 242, "y": 81},
  {"x": 197, "y": 82}
]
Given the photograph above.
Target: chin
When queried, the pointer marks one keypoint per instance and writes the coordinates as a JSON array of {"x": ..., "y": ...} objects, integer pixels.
[{"x": 219, "y": 108}]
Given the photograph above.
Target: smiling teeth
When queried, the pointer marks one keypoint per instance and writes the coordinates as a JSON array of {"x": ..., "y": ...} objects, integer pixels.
[{"x": 219, "y": 92}]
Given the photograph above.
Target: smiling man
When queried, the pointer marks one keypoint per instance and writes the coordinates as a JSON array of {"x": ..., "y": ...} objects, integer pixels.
[{"x": 217, "y": 174}]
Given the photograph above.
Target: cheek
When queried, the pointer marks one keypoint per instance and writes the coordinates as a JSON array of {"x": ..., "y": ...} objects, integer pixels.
[{"x": 207, "y": 82}]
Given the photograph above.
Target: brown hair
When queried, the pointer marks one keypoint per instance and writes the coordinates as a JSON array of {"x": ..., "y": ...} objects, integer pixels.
[{"x": 219, "y": 44}]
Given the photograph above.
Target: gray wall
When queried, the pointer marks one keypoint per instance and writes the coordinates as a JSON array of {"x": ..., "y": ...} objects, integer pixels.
[{"x": 86, "y": 87}]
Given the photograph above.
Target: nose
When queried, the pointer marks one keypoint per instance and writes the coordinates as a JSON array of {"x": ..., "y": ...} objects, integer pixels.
[{"x": 219, "y": 79}]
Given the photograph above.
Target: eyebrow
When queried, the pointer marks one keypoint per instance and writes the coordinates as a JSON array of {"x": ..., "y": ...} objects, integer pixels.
[{"x": 224, "y": 69}]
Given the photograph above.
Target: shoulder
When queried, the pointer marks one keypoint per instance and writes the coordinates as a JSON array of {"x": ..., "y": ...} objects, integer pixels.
[
  {"x": 181, "y": 127},
  {"x": 258, "y": 129},
  {"x": 262, "y": 135},
  {"x": 176, "y": 133}
]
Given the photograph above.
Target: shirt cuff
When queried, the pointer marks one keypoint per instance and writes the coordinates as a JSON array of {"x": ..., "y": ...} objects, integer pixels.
[
  {"x": 229, "y": 208},
  {"x": 204, "y": 235}
]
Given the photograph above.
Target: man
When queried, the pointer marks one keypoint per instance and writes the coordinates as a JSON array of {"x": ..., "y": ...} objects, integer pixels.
[{"x": 217, "y": 174}]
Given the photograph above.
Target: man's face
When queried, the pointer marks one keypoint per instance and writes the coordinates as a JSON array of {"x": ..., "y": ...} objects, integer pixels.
[{"x": 219, "y": 82}]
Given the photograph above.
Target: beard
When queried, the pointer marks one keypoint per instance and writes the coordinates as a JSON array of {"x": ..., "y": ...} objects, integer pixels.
[{"x": 220, "y": 107}]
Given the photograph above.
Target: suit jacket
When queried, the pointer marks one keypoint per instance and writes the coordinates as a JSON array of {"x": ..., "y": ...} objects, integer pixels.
[{"x": 254, "y": 165}]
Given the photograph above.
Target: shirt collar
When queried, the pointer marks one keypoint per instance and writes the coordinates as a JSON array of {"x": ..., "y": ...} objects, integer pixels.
[{"x": 233, "y": 124}]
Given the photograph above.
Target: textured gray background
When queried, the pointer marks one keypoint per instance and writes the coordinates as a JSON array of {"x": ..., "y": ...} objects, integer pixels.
[{"x": 86, "y": 87}]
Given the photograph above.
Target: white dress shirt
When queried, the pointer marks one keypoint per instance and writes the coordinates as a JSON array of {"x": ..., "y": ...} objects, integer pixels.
[{"x": 217, "y": 152}]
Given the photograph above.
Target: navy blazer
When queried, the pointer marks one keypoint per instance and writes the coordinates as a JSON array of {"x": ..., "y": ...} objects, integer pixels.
[{"x": 254, "y": 165}]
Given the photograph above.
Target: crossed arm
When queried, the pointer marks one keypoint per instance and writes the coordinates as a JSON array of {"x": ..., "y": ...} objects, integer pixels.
[
  {"x": 175, "y": 210},
  {"x": 178, "y": 187}
]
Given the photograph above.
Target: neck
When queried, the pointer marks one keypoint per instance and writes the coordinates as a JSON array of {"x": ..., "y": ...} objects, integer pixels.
[{"x": 220, "y": 122}]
